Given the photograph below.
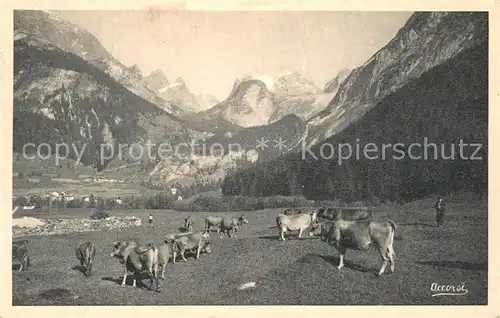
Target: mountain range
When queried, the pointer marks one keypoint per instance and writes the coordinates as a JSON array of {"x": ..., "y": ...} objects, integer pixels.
[
  {"x": 68, "y": 87},
  {"x": 261, "y": 100}
]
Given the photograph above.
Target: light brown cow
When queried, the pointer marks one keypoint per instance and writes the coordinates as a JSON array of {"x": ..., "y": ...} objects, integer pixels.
[
  {"x": 231, "y": 225},
  {"x": 212, "y": 221},
  {"x": 189, "y": 242},
  {"x": 360, "y": 235},
  {"x": 137, "y": 259},
  {"x": 296, "y": 222}
]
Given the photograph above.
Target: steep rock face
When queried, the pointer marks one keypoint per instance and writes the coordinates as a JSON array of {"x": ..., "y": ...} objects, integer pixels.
[
  {"x": 135, "y": 71},
  {"x": 156, "y": 80},
  {"x": 206, "y": 101},
  {"x": 249, "y": 104},
  {"x": 60, "y": 97},
  {"x": 426, "y": 40},
  {"x": 177, "y": 93},
  {"x": 261, "y": 100},
  {"x": 333, "y": 85},
  {"x": 293, "y": 84}
]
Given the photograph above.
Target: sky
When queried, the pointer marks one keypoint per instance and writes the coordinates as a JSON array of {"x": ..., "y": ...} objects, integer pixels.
[{"x": 210, "y": 50}]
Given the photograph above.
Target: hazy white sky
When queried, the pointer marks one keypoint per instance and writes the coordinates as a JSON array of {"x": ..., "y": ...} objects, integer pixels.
[{"x": 210, "y": 50}]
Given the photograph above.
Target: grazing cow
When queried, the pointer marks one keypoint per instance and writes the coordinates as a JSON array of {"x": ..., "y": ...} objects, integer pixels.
[
  {"x": 85, "y": 253},
  {"x": 359, "y": 235},
  {"x": 229, "y": 225},
  {"x": 192, "y": 241},
  {"x": 20, "y": 252},
  {"x": 440, "y": 209},
  {"x": 298, "y": 222},
  {"x": 212, "y": 221},
  {"x": 137, "y": 259}
]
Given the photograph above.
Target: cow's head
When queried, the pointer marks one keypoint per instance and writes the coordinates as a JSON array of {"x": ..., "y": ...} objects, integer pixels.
[{"x": 119, "y": 247}]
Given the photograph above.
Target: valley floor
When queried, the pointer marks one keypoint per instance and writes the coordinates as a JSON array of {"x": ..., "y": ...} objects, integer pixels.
[{"x": 291, "y": 272}]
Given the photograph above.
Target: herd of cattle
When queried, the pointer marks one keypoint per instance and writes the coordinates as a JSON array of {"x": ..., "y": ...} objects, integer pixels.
[{"x": 341, "y": 228}]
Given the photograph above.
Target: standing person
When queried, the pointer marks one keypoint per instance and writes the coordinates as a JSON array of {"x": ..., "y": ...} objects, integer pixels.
[
  {"x": 150, "y": 219},
  {"x": 440, "y": 209}
]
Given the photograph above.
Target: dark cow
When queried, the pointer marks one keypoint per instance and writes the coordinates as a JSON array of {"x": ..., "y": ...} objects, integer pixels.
[
  {"x": 85, "y": 253},
  {"x": 138, "y": 259},
  {"x": 20, "y": 252},
  {"x": 440, "y": 210},
  {"x": 192, "y": 241},
  {"x": 360, "y": 235},
  {"x": 231, "y": 225}
]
